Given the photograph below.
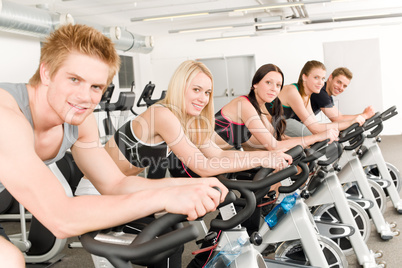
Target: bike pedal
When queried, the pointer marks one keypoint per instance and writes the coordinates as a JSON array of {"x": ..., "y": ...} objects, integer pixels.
[
  {"x": 382, "y": 264},
  {"x": 378, "y": 254}
]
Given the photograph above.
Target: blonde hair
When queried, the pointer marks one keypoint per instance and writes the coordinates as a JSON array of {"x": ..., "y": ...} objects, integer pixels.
[
  {"x": 197, "y": 128},
  {"x": 76, "y": 38}
]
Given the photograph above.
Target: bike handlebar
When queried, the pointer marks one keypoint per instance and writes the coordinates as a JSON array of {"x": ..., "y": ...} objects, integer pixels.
[
  {"x": 390, "y": 112},
  {"x": 247, "y": 190},
  {"x": 350, "y": 132},
  {"x": 298, "y": 180},
  {"x": 145, "y": 248},
  {"x": 372, "y": 121}
]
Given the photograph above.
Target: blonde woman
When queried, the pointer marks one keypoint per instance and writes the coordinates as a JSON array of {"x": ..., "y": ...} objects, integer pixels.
[{"x": 182, "y": 124}]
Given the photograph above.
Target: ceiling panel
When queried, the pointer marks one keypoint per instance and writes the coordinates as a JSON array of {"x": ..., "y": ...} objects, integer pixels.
[{"x": 308, "y": 14}]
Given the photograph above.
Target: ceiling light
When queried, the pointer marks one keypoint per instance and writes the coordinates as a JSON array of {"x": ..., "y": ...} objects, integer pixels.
[
  {"x": 281, "y": 22},
  {"x": 368, "y": 16},
  {"x": 208, "y": 12},
  {"x": 225, "y": 38},
  {"x": 268, "y": 27},
  {"x": 175, "y": 16},
  {"x": 356, "y": 17},
  {"x": 268, "y": 7},
  {"x": 212, "y": 28},
  {"x": 200, "y": 29}
]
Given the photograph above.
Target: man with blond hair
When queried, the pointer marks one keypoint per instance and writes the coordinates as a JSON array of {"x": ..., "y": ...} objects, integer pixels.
[{"x": 41, "y": 120}]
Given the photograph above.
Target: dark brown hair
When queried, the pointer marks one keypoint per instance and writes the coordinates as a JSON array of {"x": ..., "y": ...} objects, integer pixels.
[{"x": 278, "y": 121}]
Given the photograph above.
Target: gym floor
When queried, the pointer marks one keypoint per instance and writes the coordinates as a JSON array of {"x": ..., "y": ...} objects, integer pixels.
[{"x": 391, "y": 147}]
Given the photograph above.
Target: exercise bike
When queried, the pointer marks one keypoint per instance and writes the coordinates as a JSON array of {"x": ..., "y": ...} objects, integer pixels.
[
  {"x": 352, "y": 172},
  {"x": 369, "y": 157},
  {"x": 39, "y": 245},
  {"x": 123, "y": 105},
  {"x": 131, "y": 250},
  {"x": 297, "y": 224},
  {"x": 328, "y": 201},
  {"x": 375, "y": 167},
  {"x": 145, "y": 99}
]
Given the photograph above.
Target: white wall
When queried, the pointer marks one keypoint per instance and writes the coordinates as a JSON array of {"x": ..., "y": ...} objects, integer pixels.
[
  {"x": 290, "y": 51},
  {"x": 19, "y": 57}
]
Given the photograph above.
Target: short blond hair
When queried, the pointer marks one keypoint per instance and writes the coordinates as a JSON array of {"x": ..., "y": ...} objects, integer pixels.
[{"x": 76, "y": 38}]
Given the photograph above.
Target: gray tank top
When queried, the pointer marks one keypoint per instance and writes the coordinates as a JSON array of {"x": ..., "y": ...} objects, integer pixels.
[{"x": 20, "y": 94}]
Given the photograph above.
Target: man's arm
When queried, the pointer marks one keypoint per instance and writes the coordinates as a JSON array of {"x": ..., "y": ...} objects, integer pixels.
[
  {"x": 336, "y": 116},
  {"x": 32, "y": 183}
]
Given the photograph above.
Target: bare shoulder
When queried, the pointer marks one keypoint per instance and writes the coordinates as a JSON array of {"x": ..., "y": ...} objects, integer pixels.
[
  {"x": 235, "y": 108},
  {"x": 288, "y": 94},
  {"x": 289, "y": 88},
  {"x": 157, "y": 123},
  {"x": 7, "y": 100},
  {"x": 159, "y": 112},
  {"x": 236, "y": 103}
]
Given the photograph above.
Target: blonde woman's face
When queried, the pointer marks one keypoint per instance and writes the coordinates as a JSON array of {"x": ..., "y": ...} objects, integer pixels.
[
  {"x": 197, "y": 94},
  {"x": 314, "y": 81}
]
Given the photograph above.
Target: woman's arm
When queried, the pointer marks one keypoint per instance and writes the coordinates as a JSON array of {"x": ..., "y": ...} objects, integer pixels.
[
  {"x": 210, "y": 160},
  {"x": 262, "y": 129},
  {"x": 290, "y": 96}
]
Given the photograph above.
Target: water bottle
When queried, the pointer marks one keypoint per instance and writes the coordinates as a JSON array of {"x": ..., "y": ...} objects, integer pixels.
[
  {"x": 227, "y": 255},
  {"x": 276, "y": 214}
]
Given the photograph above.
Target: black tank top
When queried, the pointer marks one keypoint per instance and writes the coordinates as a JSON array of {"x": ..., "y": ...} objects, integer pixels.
[
  {"x": 141, "y": 154},
  {"x": 231, "y": 132}
]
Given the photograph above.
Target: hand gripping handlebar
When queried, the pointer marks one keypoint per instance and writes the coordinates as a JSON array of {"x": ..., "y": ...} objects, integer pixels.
[
  {"x": 149, "y": 246},
  {"x": 262, "y": 181},
  {"x": 247, "y": 189},
  {"x": 373, "y": 122},
  {"x": 376, "y": 121}
]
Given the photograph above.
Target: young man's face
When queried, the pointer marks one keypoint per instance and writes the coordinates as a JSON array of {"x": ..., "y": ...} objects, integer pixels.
[
  {"x": 336, "y": 85},
  {"x": 77, "y": 87}
]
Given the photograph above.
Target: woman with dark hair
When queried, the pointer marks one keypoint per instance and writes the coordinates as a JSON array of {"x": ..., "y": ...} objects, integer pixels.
[
  {"x": 246, "y": 122},
  {"x": 296, "y": 102}
]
